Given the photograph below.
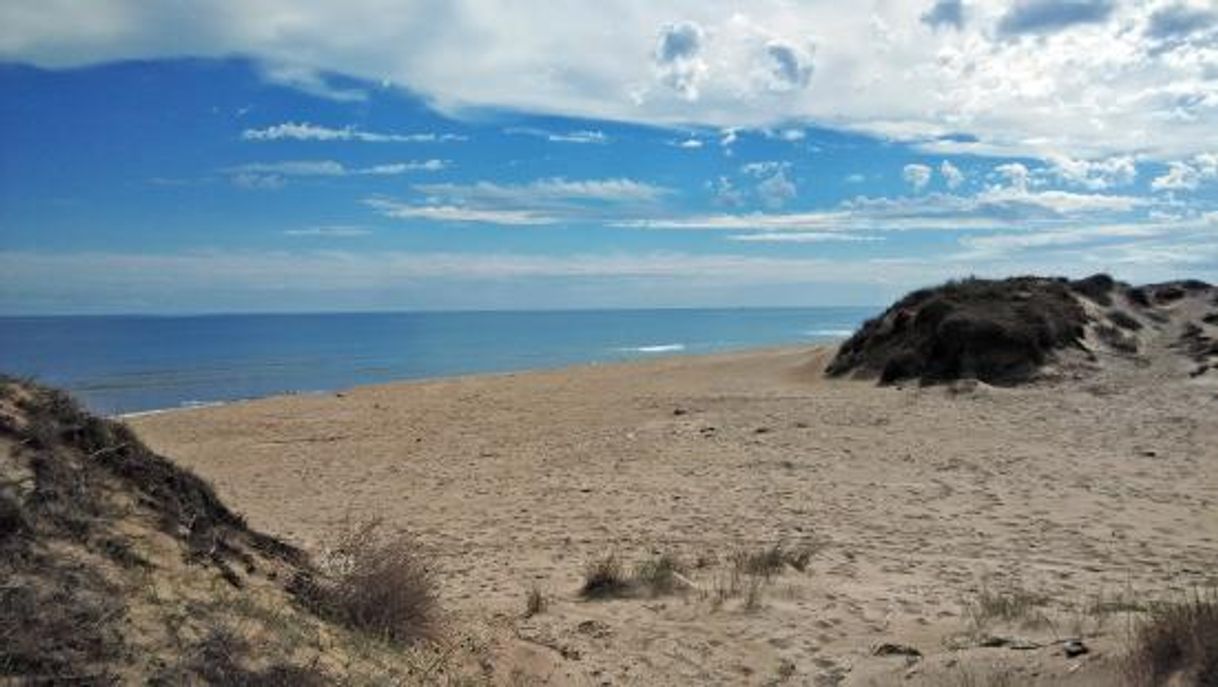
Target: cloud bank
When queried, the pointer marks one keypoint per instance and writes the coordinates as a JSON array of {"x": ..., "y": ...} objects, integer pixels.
[{"x": 1089, "y": 79}]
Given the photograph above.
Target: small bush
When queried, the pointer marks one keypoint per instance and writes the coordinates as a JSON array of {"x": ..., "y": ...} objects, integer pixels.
[
  {"x": 1116, "y": 339},
  {"x": 1096, "y": 288},
  {"x": 1177, "y": 644},
  {"x": 535, "y": 603},
  {"x": 661, "y": 574},
  {"x": 1124, "y": 320},
  {"x": 772, "y": 560},
  {"x": 375, "y": 585},
  {"x": 604, "y": 578},
  {"x": 764, "y": 563}
]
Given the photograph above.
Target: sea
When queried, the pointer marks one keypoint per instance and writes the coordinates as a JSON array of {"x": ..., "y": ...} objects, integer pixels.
[{"x": 131, "y": 364}]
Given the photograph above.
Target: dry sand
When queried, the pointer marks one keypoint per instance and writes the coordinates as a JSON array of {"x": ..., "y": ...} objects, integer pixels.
[{"x": 918, "y": 501}]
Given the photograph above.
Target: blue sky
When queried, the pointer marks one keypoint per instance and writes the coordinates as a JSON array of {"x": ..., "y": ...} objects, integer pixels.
[{"x": 278, "y": 156}]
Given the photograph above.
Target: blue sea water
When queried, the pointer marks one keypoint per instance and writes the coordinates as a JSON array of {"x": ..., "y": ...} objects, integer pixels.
[{"x": 125, "y": 364}]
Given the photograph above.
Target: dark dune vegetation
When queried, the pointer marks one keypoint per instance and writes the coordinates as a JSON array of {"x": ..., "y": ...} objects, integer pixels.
[
  {"x": 117, "y": 566},
  {"x": 1006, "y": 331}
]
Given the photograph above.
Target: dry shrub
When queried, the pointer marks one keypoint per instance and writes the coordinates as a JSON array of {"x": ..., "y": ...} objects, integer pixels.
[
  {"x": 1011, "y": 604},
  {"x": 660, "y": 575},
  {"x": 1096, "y": 288},
  {"x": 1116, "y": 339},
  {"x": 772, "y": 560},
  {"x": 1177, "y": 644},
  {"x": 375, "y": 585},
  {"x": 605, "y": 578},
  {"x": 535, "y": 603},
  {"x": 1124, "y": 320}
]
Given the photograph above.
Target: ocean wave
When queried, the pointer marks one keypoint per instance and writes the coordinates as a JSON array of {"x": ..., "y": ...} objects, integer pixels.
[
  {"x": 656, "y": 348},
  {"x": 836, "y": 333}
]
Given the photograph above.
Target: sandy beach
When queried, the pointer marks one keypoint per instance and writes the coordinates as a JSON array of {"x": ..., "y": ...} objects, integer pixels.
[{"x": 920, "y": 506}]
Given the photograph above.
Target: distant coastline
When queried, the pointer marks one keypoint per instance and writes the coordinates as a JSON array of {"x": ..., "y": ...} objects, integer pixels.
[{"x": 125, "y": 366}]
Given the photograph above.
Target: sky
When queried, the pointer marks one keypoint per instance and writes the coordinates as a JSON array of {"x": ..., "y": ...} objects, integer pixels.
[{"x": 286, "y": 155}]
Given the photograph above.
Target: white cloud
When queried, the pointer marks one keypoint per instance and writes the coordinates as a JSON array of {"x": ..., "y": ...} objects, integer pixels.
[
  {"x": 1090, "y": 79},
  {"x": 1014, "y": 174},
  {"x": 917, "y": 176},
  {"x": 1096, "y": 175},
  {"x": 271, "y": 175},
  {"x": 1047, "y": 16},
  {"x": 1188, "y": 175},
  {"x": 791, "y": 67},
  {"x": 581, "y": 136},
  {"x": 776, "y": 190},
  {"x": 687, "y": 143},
  {"x": 952, "y": 175},
  {"x": 453, "y": 213},
  {"x": 329, "y": 231},
  {"x": 308, "y": 80},
  {"x": 801, "y": 237},
  {"x": 763, "y": 168},
  {"x": 995, "y": 208},
  {"x": 726, "y": 194},
  {"x": 945, "y": 13},
  {"x": 546, "y": 191},
  {"x": 543, "y": 201},
  {"x": 310, "y": 132},
  {"x": 677, "y": 60}
]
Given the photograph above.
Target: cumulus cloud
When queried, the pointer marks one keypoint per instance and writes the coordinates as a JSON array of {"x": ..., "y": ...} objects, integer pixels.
[
  {"x": 945, "y": 13},
  {"x": 1015, "y": 174},
  {"x": 952, "y": 175},
  {"x": 1096, "y": 175},
  {"x": 677, "y": 59},
  {"x": 1180, "y": 20},
  {"x": 1046, "y": 16},
  {"x": 776, "y": 190},
  {"x": 310, "y": 132},
  {"x": 791, "y": 66},
  {"x": 917, "y": 176},
  {"x": 726, "y": 194},
  {"x": 1188, "y": 175}
]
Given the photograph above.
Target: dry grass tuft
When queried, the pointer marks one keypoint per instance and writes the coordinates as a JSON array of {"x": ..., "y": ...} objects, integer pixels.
[
  {"x": 660, "y": 575},
  {"x": 1177, "y": 644},
  {"x": 604, "y": 578},
  {"x": 1012, "y": 604},
  {"x": 535, "y": 603},
  {"x": 375, "y": 585}
]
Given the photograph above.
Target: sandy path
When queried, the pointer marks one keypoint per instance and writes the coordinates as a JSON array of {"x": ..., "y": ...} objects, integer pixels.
[{"x": 915, "y": 498}]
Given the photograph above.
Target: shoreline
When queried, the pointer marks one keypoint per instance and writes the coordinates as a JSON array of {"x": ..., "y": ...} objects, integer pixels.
[{"x": 646, "y": 357}]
